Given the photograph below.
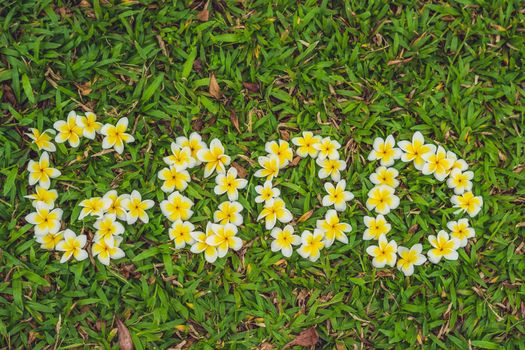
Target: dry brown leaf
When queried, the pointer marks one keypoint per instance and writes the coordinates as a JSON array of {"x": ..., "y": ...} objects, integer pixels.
[
  {"x": 308, "y": 337},
  {"x": 406, "y": 60},
  {"x": 203, "y": 15},
  {"x": 285, "y": 135},
  {"x": 8, "y": 97},
  {"x": 413, "y": 229},
  {"x": 240, "y": 170},
  {"x": 215, "y": 90},
  {"x": 252, "y": 87},
  {"x": 124, "y": 337},
  {"x": 235, "y": 121},
  {"x": 84, "y": 89},
  {"x": 265, "y": 346},
  {"x": 295, "y": 161},
  {"x": 306, "y": 216}
]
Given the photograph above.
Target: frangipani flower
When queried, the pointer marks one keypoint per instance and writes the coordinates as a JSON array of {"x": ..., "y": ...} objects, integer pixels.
[
  {"x": 281, "y": 150},
  {"x": 327, "y": 148},
  {"x": 410, "y": 257},
  {"x": 330, "y": 167},
  {"x": 107, "y": 249},
  {"x": 115, "y": 206},
  {"x": 274, "y": 210},
  {"x": 382, "y": 199},
  {"x": 49, "y": 241},
  {"x": 460, "y": 181},
  {"x": 136, "y": 207},
  {"x": 41, "y": 172},
  {"x": 214, "y": 157},
  {"x": 337, "y": 196},
  {"x": 229, "y": 213},
  {"x": 385, "y": 151},
  {"x": 229, "y": 183},
  {"x": 194, "y": 143},
  {"x": 284, "y": 239},
  {"x": 180, "y": 232},
  {"x": 174, "y": 177},
  {"x": 68, "y": 130},
  {"x": 375, "y": 227},
  {"x": 200, "y": 245},
  {"x": 444, "y": 247},
  {"x": 44, "y": 197},
  {"x": 180, "y": 157},
  {"x": 107, "y": 227},
  {"x": 333, "y": 229},
  {"x": 311, "y": 245},
  {"x": 266, "y": 192},
  {"x": 42, "y": 140},
  {"x": 45, "y": 220},
  {"x": 306, "y": 144},
  {"x": 89, "y": 125},
  {"x": 115, "y": 135},
  {"x": 461, "y": 231},
  {"x": 270, "y": 167},
  {"x": 177, "y": 207},
  {"x": 467, "y": 202},
  {"x": 94, "y": 206},
  {"x": 72, "y": 246},
  {"x": 384, "y": 253},
  {"x": 437, "y": 163},
  {"x": 385, "y": 176},
  {"x": 459, "y": 164},
  {"x": 414, "y": 151},
  {"x": 224, "y": 238}
]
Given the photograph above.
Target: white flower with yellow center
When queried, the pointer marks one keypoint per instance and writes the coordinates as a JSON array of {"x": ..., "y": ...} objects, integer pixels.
[
  {"x": 281, "y": 150},
  {"x": 457, "y": 163},
  {"x": 467, "y": 202},
  {"x": 333, "y": 229},
  {"x": 330, "y": 167},
  {"x": 174, "y": 178},
  {"x": 414, "y": 151},
  {"x": 266, "y": 192},
  {"x": 115, "y": 206},
  {"x": 443, "y": 247},
  {"x": 49, "y": 241},
  {"x": 460, "y": 181},
  {"x": 229, "y": 213},
  {"x": 42, "y": 140},
  {"x": 270, "y": 167},
  {"x": 327, "y": 149},
  {"x": 72, "y": 245},
  {"x": 180, "y": 233},
  {"x": 200, "y": 245},
  {"x": 311, "y": 245},
  {"x": 44, "y": 197},
  {"x": 274, "y": 210},
  {"x": 69, "y": 130},
  {"x": 107, "y": 249},
  {"x": 384, "y": 254},
  {"x": 95, "y": 206},
  {"x": 385, "y": 176},
  {"x": 408, "y": 258},
  {"x": 306, "y": 144},
  {"x": 375, "y": 227},
  {"x": 180, "y": 157},
  {"x": 224, "y": 238},
  {"x": 89, "y": 125},
  {"x": 284, "y": 239},
  {"x": 461, "y": 231},
  {"x": 336, "y": 195},
  {"x": 177, "y": 207},
  {"x": 45, "y": 220},
  {"x": 115, "y": 136},
  {"x": 214, "y": 157},
  {"x": 437, "y": 163},
  {"x": 107, "y": 227},
  {"x": 229, "y": 183},
  {"x": 194, "y": 143},
  {"x": 385, "y": 151},
  {"x": 382, "y": 199},
  {"x": 136, "y": 207},
  {"x": 41, "y": 172}
]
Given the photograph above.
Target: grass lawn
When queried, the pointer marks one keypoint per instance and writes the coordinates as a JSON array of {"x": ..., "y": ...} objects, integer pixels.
[{"x": 351, "y": 71}]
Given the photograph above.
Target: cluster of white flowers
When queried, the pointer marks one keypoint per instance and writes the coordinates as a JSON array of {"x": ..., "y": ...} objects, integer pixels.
[{"x": 429, "y": 159}]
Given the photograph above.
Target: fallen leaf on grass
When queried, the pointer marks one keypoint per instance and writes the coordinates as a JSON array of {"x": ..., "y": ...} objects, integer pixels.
[
  {"x": 124, "y": 337},
  {"x": 252, "y": 87},
  {"x": 306, "y": 216},
  {"x": 240, "y": 170},
  {"x": 214, "y": 89},
  {"x": 235, "y": 121},
  {"x": 308, "y": 337},
  {"x": 203, "y": 15},
  {"x": 406, "y": 60}
]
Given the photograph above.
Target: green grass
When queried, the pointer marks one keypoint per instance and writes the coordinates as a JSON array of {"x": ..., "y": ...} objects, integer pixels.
[{"x": 352, "y": 72}]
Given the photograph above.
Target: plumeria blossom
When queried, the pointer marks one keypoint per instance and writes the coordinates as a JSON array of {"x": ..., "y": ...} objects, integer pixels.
[
  {"x": 72, "y": 245},
  {"x": 330, "y": 167},
  {"x": 307, "y": 144},
  {"x": 194, "y": 143},
  {"x": 333, "y": 229},
  {"x": 274, "y": 210},
  {"x": 174, "y": 177},
  {"x": 107, "y": 249},
  {"x": 467, "y": 202},
  {"x": 44, "y": 197},
  {"x": 95, "y": 206},
  {"x": 49, "y": 241},
  {"x": 89, "y": 125},
  {"x": 229, "y": 183},
  {"x": 115, "y": 206},
  {"x": 177, "y": 207},
  {"x": 136, "y": 207},
  {"x": 180, "y": 157},
  {"x": 437, "y": 163},
  {"x": 229, "y": 213},
  {"x": 266, "y": 192},
  {"x": 284, "y": 239},
  {"x": 408, "y": 258},
  {"x": 45, "y": 220},
  {"x": 385, "y": 176},
  {"x": 270, "y": 167},
  {"x": 457, "y": 163},
  {"x": 460, "y": 181},
  {"x": 327, "y": 149},
  {"x": 384, "y": 254},
  {"x": 385, "y": 151},
  {"x": 311, "y": 245},
  {"x": 180, "y": 233},
  {"x": 214, "y": 157},
  {"x": 224, "y": 238},
  {"x": 461, "y": 231},
  {"x": 281, "y": 150},
  {"x": 41, "y": 172},
  {"x": 414, "y": 151},
  {"x": 200, "y": 245},
  {"x": 443, "y": 247},
  {"x": 375, "y": 227},
  {"x": 68, "y": 130},
  {"x": 382, "y": 199},
  {"x": 107, "y": 227},
  {"x": 42, "y": 140},
  {"x": 115, "y": 136},
  {"x": 336, "y": 195}
]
